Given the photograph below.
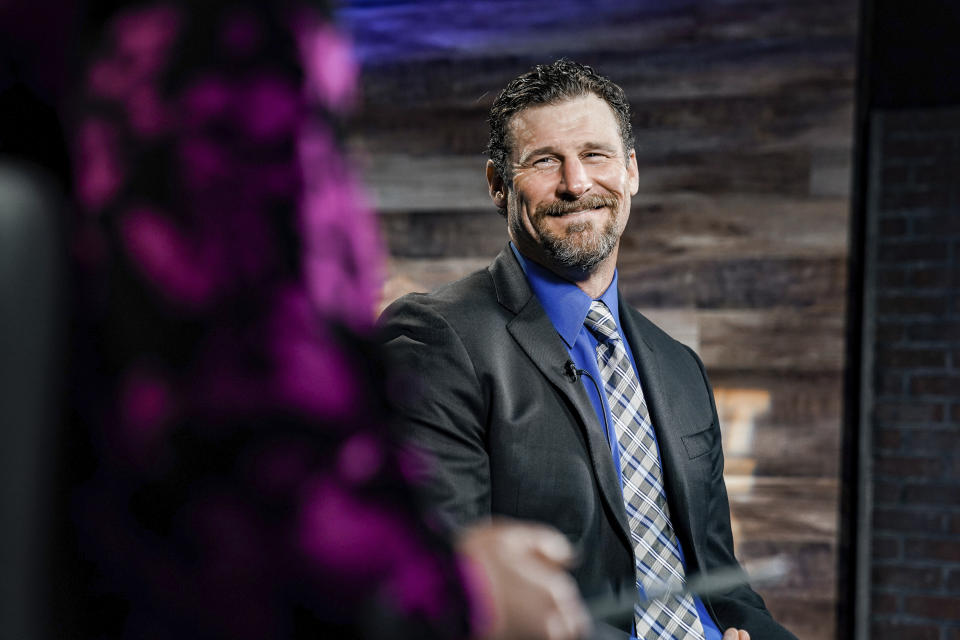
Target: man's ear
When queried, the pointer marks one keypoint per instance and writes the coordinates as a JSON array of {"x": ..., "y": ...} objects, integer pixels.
[
  {"x": 633, "y": 173},
  {"x": 496, "y": 186}
]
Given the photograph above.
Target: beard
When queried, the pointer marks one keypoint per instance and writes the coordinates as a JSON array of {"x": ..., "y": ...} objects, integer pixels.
[{"x": 580, "y": 246}]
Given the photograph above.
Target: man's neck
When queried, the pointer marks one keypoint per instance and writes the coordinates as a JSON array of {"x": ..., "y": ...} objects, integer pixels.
[{"x": 596, "y": 283}]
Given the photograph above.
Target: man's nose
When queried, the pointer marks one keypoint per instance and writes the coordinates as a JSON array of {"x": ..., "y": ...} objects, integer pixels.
[{"x": 574, "y": 179}]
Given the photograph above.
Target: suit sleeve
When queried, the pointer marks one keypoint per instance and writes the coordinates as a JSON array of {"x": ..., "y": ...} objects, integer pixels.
[
  {"x": 440, "y": 406},
  {"x": 740, "y": 607}
]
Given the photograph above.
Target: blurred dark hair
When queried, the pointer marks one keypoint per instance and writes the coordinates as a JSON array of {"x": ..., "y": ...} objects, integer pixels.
[{"x": 550, "y": 84}]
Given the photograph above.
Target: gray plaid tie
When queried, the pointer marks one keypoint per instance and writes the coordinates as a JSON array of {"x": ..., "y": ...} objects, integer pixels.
[{"x": 654, "y": 542}]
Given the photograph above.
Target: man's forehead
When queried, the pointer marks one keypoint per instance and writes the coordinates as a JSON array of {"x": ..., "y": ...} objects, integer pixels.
[{"x": 586, "y": 119}]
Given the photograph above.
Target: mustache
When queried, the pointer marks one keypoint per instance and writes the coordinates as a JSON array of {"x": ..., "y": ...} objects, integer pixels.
[{"x": 563, "y": 207}]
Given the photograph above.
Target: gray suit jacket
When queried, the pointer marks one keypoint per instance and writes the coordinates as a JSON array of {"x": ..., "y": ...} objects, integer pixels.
[{"x": 513, "y": 435}]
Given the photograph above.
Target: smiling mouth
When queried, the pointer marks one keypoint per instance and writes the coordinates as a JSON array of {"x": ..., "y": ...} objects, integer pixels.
[
  {"x": 576, "y": 212},
  {"x": 584, "y": 206}
]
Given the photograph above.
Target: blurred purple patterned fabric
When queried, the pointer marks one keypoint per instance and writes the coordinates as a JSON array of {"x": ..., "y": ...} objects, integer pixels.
[{"x": 241, "y": 479}]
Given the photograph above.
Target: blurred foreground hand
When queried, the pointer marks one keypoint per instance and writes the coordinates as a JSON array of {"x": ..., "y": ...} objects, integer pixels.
[{"x": 530, "y": 593}]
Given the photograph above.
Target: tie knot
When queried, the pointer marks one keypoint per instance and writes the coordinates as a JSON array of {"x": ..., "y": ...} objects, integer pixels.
[{"x": 600, "y": 321}]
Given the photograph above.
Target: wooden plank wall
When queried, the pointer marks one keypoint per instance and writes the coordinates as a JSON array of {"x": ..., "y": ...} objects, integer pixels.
[{"x": 738, "y": 238}]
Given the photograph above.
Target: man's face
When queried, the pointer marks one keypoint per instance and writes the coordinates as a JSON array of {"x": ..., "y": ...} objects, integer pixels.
[{"x": 569, "y": 198}]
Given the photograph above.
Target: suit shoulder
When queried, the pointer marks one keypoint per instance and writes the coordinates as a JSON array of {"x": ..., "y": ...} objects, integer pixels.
[
  {"x": 453, "y": 301},
  {"x": 673, "y": 350},
  {"x": 652, "y": 333},
  {"x": 662, "y": 342}
]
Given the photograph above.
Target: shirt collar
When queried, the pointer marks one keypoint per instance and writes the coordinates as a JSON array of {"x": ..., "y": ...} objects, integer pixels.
[{"x": 566, "y": 304}]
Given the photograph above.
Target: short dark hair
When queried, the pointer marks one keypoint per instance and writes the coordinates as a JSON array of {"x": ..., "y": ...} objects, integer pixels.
[{"x": 549, "y": 84}]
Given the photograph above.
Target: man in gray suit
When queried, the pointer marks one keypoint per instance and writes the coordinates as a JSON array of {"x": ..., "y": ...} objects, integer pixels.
[{"x": 542, "y": 396}]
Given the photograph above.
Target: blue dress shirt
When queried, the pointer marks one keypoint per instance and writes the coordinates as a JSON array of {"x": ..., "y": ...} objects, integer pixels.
[{"x": 567, "y": 306}]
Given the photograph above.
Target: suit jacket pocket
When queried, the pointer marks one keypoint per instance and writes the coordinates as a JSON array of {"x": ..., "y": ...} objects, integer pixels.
[{"x": 700, "y": 443}]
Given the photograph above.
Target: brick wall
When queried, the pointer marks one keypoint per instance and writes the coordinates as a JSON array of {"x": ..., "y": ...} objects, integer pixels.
[{"x": 913, "y": 340}]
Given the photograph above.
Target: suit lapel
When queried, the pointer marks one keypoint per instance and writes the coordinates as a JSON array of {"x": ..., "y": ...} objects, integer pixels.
[
  {"x": 536, "y": 335},
  {"x": 669, "y": 429}
]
